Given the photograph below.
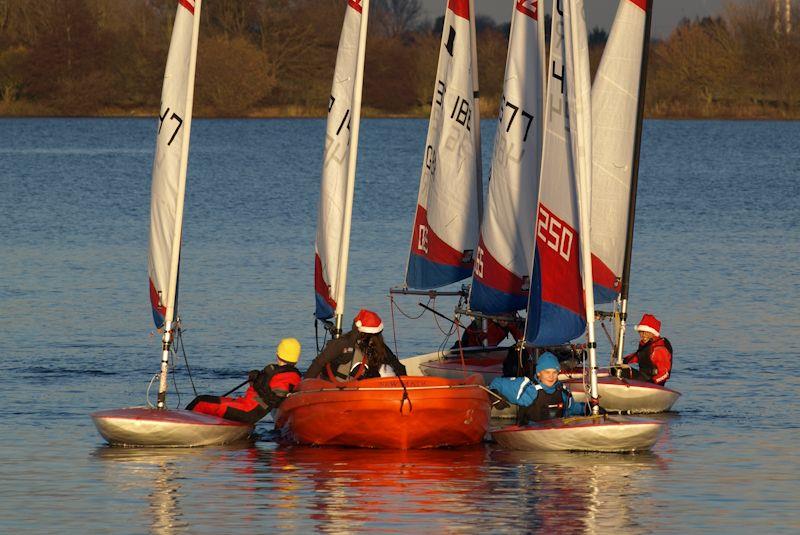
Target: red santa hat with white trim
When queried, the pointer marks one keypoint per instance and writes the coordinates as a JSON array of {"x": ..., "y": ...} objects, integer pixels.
[
  {"x": 367, "y": 321},
  {"x": 649, "y": 324}
]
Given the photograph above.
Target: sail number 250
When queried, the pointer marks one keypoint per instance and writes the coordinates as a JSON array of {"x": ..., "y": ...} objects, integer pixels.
[{"x": 553, "y": 232}]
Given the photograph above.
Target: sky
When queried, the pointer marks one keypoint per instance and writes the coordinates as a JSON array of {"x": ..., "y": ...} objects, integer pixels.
[{"x": 666, "y": 13}]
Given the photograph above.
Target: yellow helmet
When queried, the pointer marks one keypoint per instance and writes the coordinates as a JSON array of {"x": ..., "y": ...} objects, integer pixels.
[{"x": 289, "y": 350}]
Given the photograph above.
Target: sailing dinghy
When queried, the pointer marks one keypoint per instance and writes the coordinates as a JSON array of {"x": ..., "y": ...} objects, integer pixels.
[
  {"x": 561, "y": 300},
  {"x": 388, "y": 412},
  {"x": 160, "y": 426},
  {"x": 617, "y": 112}
]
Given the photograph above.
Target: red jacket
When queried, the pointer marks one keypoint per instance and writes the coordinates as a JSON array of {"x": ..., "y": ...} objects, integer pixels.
[
  {"x": 473, "y": 335},
  {"x": 654, "y": 359}
]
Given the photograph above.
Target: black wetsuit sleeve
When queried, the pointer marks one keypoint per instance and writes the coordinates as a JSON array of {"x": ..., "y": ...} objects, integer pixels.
[
  {"x": 394, "y": 362},
  {"x": 331, "y": 354}
]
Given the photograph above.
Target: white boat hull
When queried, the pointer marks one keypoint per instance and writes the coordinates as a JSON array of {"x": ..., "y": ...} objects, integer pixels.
[
  {"x": 627, "y": 395},
  {"x": 142, "y": 426},
  {"x": 602, "y": 433}
]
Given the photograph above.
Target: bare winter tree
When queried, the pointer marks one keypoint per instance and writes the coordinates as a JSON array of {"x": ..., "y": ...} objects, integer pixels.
[{"x": 397, "y": 17}]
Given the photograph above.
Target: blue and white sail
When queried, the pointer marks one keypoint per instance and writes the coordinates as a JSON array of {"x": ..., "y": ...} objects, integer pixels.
[
  {"x": 449, "y": 204},
  {"x": 504, "y": 254},
  {"x": 556, "y": 307}
]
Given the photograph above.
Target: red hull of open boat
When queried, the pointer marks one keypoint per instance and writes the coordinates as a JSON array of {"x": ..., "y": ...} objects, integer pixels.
[{"x": 372, "y": 413}]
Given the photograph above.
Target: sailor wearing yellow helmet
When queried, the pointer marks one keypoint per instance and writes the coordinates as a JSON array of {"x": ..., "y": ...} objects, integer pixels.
[{"x": 267, "y": 388}]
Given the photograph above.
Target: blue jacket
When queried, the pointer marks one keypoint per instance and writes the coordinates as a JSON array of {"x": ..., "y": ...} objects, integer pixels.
[{"x": 522, "y": 391}]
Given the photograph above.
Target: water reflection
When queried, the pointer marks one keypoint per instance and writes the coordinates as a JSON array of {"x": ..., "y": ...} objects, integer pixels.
[
  {"x": 364, "y": 490},
  {"x": 158, "y": 475},
  {"x": 587, "y": 492}
]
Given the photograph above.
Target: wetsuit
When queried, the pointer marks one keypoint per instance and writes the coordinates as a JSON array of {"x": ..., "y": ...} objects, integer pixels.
[{"x": 268, "y": 388}]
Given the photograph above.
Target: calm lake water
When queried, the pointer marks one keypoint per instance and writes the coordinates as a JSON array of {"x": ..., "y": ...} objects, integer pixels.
[{"x": 716, "y": 258}]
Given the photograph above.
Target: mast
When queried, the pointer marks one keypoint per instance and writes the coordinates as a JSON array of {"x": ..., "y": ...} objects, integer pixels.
[
  {"x": 169, "y": 316},
  {"x": 581, "y": 134},
  {"x": 626, "y": 270},
  {"x": 476, "y": 103},
  {"x": 351, "y": 168}
]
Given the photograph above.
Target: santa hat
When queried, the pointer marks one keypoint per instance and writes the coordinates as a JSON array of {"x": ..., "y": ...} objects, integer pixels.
[
  {"x": 649, "y": 324},
  {"x": 368, "y": 322}
]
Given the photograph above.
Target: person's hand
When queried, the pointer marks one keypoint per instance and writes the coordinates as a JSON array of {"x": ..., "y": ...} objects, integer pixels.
[
  {"x": 252, "y": 375},
  {"x": 500, "y": 402}
]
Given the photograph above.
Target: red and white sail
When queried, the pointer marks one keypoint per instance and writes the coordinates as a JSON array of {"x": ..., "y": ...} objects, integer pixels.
[
  {"x": 614, "y": 106},
  {"x": 448, "y": 212},
  {"x": 505, "y": 250},
  {"x": 556, "y": 308},
  {"x": 169, "y": 167},
  {"x": 331, "y": 222}
]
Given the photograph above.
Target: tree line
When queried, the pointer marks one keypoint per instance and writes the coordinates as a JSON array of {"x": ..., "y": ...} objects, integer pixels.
[{"x": 276, "y": 57}]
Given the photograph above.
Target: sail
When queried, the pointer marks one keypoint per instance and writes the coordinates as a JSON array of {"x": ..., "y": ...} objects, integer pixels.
[
  {"x": 556, "y": 307},
  {"x": 614, "y": 105},
  {"x": 505, "y": 249},
  {"x": 447, "y": 218},
  {"x": 333, "y": 189},
  {"x": 169, "y": 166}
]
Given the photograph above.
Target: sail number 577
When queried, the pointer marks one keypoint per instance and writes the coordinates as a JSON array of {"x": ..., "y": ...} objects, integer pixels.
[{"x": 554, "y": 233}]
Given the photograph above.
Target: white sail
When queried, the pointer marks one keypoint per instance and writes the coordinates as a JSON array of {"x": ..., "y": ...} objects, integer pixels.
[
  {"x": 447, "y": 218},
  {"x": 334, "y": 186},
  {"x": 505, "y": 249},
  {"x": 556, "y": 311},
  {"x": 615, "y": 99},
  {"x": 169, "y": 167}
]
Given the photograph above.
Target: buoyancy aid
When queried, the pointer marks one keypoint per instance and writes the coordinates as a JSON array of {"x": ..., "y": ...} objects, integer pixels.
[
  {"x": 547, "y": 406},
  {"x": 275, "y": 382},
  {"x": 646, "y": 365}
]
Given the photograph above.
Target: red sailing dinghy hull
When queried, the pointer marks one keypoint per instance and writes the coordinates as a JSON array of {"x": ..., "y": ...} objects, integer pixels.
[
  {"x": 166, "y": 428},
  {"x": 372, "y": 413}
]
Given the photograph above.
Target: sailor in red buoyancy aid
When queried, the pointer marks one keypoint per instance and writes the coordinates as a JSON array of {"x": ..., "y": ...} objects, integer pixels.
[
  {"x": 267, "y": 389},
  {"x": 654, "y": 355}
]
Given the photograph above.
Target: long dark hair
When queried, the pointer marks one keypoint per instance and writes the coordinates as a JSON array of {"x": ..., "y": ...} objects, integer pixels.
[{"x": 374, "y": 348}]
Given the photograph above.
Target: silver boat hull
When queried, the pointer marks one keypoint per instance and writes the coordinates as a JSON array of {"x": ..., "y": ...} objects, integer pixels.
[
  {"x": 166, "y": 428},
  {"x": 626, "y": 395},
  {"x": 604, "y": 434}
]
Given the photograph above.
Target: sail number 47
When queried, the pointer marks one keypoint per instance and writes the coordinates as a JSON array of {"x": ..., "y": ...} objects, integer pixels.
[
  {"x": 175, "y": 117},
  {"x": 554, "y": 233}
]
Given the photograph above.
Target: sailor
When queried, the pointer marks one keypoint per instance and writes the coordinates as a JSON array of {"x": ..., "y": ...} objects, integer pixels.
[
  {"x": 545, "y": 398},
  {"x": 654, "y": 355},
  {"x": 267, "y": 389},
  {"x": 497, "y": 330},
  {"x": 358, "y": 354}
]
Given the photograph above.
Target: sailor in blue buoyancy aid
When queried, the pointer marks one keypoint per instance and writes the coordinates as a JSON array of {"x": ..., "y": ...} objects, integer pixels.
[{"x": 543, "y": 399}]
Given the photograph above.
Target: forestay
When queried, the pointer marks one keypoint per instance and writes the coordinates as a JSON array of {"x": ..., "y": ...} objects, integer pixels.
[
  {"x": 614, "y": 105},
  {"x": 505, "y": 250},
  {"x": 556, "y": 308},
  {"x": 448, "y": 211},
  {"x": 169, "y": 167},
  {"x": 333, "y": 189}
]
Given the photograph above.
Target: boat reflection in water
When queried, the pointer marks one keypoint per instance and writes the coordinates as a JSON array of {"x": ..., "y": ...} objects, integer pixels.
[
  {"x": 580, "y": 492},
  {"x": 399, "y": 490},
  {"x": 173, "y": 490}
]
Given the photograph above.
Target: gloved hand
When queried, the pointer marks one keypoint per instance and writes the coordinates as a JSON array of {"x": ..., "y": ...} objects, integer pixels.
[
  {"x": 252, "y": 375},
  {"x": 499, "y": 402}
]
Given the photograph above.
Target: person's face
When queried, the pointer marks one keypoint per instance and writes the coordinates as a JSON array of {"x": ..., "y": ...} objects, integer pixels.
[
  {"x": 645, "y": 336},
  {"x": 548, "y": 377}
]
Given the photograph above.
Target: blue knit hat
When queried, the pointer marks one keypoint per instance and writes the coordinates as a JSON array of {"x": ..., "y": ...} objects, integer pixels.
[{"x": 547, "y": 361}]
